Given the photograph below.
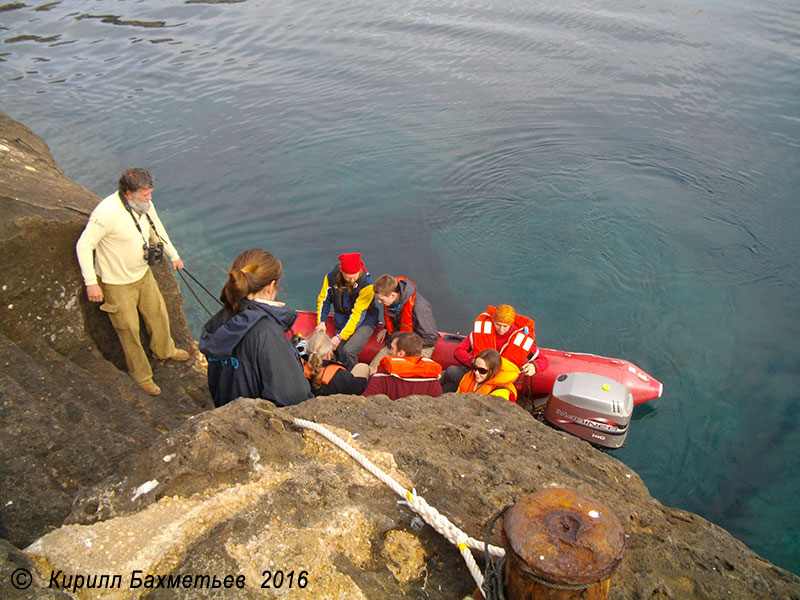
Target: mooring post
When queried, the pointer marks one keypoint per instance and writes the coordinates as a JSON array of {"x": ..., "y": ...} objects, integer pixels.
[{"x": 560, "y": 545}]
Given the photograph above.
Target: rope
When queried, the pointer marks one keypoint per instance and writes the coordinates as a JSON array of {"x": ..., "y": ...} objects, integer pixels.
[
  {"x": 561, "y": 586},
  {"x": 494, "y": 585},
  {"x": 196, "y": 297},
  {"x": 432, "y": 516},
  {"x": 189, "y": 287},
  {"x": 202, "y": 286}
]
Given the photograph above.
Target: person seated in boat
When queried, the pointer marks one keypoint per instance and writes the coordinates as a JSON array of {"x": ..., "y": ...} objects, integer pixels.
[
  {"x": 348, "y": 290},
  {"x": 501, "y": 329},
  {"x": 248, "y": 352},
  {"x": 405, "y": 371},
  {"x": 327, "y": 376},
  {"x": 491, "y": 374},
  {"x": 404, "y": 309}
]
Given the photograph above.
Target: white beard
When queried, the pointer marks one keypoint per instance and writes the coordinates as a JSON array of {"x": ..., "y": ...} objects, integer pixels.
[{"x": 140, "y": 207}]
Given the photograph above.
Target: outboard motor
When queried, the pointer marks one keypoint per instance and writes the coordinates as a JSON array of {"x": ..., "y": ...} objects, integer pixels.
[{"x": 592, "y": 407}]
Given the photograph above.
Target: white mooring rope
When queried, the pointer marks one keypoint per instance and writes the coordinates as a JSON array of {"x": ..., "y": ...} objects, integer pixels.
[{"x": 432, "y": 516}]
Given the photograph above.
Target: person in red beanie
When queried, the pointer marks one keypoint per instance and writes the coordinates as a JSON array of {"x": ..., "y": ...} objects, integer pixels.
[{"x": 347, "y": 289}]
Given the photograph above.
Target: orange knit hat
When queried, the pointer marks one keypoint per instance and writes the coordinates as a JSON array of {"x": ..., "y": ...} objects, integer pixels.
[{"x": 504, "y": 314}]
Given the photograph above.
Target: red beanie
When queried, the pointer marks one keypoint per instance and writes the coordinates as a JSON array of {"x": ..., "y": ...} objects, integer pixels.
[{"x": 351, "y": 263}]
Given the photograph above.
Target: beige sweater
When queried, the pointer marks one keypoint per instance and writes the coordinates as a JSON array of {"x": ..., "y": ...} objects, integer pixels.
[{"x": 119, "y": 256}]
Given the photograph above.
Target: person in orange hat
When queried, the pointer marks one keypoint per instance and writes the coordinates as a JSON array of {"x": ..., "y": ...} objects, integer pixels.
[
  {"x": 499, "y": 328},
  {"x": 347, "y": 289}
]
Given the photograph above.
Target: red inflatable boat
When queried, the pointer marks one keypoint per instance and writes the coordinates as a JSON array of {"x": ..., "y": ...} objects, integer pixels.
[{"x": 642, "y": 386}]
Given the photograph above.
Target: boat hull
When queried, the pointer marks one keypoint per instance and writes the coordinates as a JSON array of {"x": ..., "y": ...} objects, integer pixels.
[{"x": 643, "y": 387}]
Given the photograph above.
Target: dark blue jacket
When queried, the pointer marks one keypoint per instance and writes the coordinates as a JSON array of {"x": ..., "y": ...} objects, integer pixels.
[
  {"x": 350, "y": 309},
  {"x": 249, "y": 355}
]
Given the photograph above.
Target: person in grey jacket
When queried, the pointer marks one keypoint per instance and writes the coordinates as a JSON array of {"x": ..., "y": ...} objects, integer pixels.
[
  {"x": 248, "y": 352},
  {"x": 404, "y": 309}
]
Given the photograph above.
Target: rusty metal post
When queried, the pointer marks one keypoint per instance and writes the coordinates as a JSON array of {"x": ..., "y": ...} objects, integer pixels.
[{"x": 560, "y": 545}]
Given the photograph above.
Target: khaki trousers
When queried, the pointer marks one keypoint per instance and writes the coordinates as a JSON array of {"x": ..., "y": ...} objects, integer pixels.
[{"x": 124, "y": 303}]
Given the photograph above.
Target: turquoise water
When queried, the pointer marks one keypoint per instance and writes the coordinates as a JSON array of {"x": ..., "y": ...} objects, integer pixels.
[{"x": 624, "y": 173}]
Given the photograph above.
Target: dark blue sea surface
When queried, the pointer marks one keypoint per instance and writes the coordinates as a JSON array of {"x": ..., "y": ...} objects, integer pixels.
[{"x": 626, "y": 173}]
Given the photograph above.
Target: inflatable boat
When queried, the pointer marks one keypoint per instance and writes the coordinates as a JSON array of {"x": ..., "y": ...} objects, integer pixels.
[{"x": 643, "y": 387}]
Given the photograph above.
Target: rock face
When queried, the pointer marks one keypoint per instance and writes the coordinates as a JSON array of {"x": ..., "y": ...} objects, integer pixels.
[
  {"x": 115, "y": 494},
  {"x": 241, "y": 490},
  {"x": 69, "y": 414}
]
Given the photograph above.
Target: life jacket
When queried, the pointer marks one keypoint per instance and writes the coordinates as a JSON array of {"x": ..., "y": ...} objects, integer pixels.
[
  {"x": 504, "y": 380},
  {"x": 406, "y": 312},
  {"x": 337, "y": 292},
  {"x": 411, "y": 367},
  {"x": 519, "y": 348},
  {"x": 327, "y": 374}
]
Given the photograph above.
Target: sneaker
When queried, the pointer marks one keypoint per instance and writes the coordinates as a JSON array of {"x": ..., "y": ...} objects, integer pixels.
[
  {"x": 180, "y": 355},
  {"x": 151, "y": 388}
]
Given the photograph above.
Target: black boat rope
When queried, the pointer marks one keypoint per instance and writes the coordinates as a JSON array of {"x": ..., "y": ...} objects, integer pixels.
[
  {"x": 196, "y": 297},
  {"x": 493, "y": 587}
]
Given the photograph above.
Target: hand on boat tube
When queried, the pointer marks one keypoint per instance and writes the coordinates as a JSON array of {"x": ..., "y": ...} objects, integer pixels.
[
  {"x": 380, "y": 336},
  {"x": 528, "y": 369}
]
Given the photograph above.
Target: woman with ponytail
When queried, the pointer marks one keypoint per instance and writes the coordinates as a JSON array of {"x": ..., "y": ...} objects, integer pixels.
[
  {"x": 245, "y": 342},
  {"x": 328, "y": 377}
]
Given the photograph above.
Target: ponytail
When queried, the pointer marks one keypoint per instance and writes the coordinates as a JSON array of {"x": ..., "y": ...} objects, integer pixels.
[
  {"x": 318, "y": 346},
  {"x": 315, "y": 370},
  {"x": 252, "y": 271}
]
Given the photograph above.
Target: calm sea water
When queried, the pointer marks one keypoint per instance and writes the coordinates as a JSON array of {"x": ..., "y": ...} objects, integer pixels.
[{"x": 626, "y": 173}]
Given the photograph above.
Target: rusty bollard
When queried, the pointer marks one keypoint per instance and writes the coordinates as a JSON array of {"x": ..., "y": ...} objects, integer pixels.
[{"x": 560, "y": 545}]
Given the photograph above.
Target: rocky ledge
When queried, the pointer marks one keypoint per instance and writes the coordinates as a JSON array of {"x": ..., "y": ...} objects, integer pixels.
[
  {"x": 70, "y": 414},
  {"x": 111, "y": 493}
]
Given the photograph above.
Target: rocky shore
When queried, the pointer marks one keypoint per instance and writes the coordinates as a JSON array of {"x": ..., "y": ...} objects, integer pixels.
[{"x": 103, "y": 484}]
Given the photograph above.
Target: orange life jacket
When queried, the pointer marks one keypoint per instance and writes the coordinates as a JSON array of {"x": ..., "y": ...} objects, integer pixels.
[
  {"x": 411, "y": 367},
  {"x": 327, "y": 372},
  {"x": 504, "y": 380},
  {"x": 406, "y": 312},
  {"x": 520, "y": 346}
]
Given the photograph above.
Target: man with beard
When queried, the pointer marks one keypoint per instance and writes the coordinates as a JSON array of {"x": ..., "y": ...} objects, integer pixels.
[{"x": 123, "y": 237}]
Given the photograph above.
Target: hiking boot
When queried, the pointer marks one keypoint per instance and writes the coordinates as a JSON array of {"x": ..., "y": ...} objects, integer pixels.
[
  {"x": 180, "y": 355},
  {"x": 151, "y": 388}
]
